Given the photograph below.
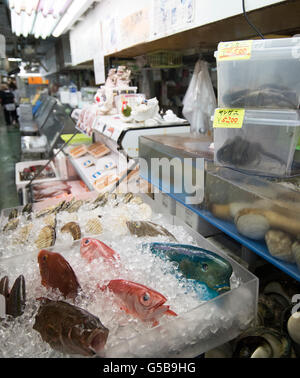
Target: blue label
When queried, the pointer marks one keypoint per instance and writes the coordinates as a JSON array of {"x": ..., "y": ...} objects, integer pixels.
[{"x": 95, "y": 175}]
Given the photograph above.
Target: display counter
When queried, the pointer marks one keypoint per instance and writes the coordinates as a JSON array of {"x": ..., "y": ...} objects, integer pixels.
[
  {"x": 201, "y": 321},
  {"x": 255, "y": 211}
]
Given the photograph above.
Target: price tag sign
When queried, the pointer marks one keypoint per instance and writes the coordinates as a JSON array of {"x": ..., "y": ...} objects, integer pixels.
[
  {"x": 229, "y": 118},
  {"x": 238, "y": 50}
]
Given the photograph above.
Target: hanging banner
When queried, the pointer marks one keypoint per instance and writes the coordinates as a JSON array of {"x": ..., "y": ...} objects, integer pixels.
[
  {"x": 99, "y": 69},
  {"x": 135, "y": 28}
]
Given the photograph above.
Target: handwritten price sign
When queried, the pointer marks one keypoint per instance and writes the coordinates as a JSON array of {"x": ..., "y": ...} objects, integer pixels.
[
  {"x": 229, "y": 118},
  {"x": 238, "y": 50}
]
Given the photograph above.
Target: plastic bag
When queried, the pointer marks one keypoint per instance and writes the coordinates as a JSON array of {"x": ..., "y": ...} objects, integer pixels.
[{"x": 200, "y": 100}]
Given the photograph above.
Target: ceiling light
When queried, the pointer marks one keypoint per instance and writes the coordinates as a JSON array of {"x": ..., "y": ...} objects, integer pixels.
[{"x": 73, "y": 13}]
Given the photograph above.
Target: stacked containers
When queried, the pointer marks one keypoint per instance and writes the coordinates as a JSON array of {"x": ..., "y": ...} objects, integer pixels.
[{"x": 262, "y": 80}]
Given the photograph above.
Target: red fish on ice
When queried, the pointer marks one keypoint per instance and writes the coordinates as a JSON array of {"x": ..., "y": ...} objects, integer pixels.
[
  {"x": 91, "y": 249},
  {"x": 56, "y": 273},
  {"x": 139, "y": 300}
]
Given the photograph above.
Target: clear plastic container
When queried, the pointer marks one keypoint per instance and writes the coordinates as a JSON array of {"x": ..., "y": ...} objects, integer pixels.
[
  {"x": 194, "y": 332},
  {"x": 265, "y": 144},
  {"x": 268, "y": 79}
]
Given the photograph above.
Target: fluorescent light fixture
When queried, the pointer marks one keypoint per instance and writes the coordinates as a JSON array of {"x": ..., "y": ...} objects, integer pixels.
[
  {"x": 42, "y": 18},
  {"x": 14, "y": 59},
  {"x": 73, "y": 13}
]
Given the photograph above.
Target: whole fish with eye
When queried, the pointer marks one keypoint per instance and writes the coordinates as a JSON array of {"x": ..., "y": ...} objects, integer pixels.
[
  {"x": 199, "y": 265},
  {"x": 56, "y": 273},
  {"x": 70, "y": 329},
  {"x": 91, "y": 249},
  {"x": 15, "y": 299},
  {"x": 142, "y": 228},
  {"x": 139, "y": 300}
]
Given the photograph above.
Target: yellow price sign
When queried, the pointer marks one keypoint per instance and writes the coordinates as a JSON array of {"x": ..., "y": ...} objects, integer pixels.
[
  {"x": 237, "y": 50},
  {"x": 229, "y": 118}
]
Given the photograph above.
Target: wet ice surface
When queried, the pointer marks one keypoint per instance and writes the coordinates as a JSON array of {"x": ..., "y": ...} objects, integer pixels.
[{"x": 18, "y": 339}]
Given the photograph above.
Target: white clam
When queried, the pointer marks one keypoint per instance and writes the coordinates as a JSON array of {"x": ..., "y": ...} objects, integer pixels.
[
  {"x": 280, "y": 245},
  {"x": 293, "y": 327},
  {"x": 253, "y": 226}
]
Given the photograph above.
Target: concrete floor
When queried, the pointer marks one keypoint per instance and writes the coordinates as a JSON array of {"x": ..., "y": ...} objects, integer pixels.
[{"x": 9, "y": 155}]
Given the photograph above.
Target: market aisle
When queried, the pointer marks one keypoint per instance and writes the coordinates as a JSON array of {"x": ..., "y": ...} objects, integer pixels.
[{"x": 9, "y": 156}]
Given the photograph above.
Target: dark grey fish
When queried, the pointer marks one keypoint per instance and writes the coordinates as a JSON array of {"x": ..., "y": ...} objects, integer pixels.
[
  {"x": 142, "y": 228},
  {"x": 70, "y": 329}
]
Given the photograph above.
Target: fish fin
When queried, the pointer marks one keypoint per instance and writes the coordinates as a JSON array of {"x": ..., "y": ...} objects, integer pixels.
[
  {"x": 171, "y": 313},
  {"x": 155, "y": 323}
]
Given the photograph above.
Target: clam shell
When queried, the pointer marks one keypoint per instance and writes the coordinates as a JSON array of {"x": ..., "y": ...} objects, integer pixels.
[
  {"x": 13, "y": 214},
  {"x": 262, "y": 342},
  {"x": 251, "y": 225},
  {"x": 46, "y": 238},
  {"x": 296, "y": 252},
  {"x": 293, "y": 327},
  {"x": 23, "y": 236},
  {"x": 11, "y": 225},
  {"x": 94, "y": 227},
  {"x": 75, "y": 206},
  {"x": 280, "y": 245},
  {"x": 73, "y": 228},
  {"x": 128, "y": 198},
  {"x": 50, "y": 220},
  {"x": 44, "y": 212}
]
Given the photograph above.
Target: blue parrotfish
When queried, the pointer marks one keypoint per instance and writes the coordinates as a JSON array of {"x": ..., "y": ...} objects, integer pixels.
[{"x": 208, "y": 273}]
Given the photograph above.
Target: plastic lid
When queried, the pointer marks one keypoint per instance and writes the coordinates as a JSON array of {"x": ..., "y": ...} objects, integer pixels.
[
  {"x": 285, "y": 48},
  {"x": 272, "y": 117}
]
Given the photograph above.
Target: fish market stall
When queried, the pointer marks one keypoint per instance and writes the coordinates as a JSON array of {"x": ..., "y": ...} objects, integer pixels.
[{"x": 131, "y": 291}]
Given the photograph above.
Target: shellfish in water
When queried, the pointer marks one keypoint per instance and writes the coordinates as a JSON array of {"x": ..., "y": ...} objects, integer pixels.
[
  {"x": 261, "y": 342},
  {"x": 94, "y": 227},
  {"x": 73, "y": 228},
  {"x": 46, "y": 238},
  {"x": 296, "y": 252},
  {"x": 251, "y": 225},
  {"x": 293, "y": 327},
  {"x": 280, "y": 245}
]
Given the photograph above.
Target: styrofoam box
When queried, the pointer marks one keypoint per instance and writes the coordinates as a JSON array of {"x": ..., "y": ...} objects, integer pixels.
[
  {"x": 268, "y": 79},
  {"x": 26, "y": 164},
  {"x": 265, "y": 144}
]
